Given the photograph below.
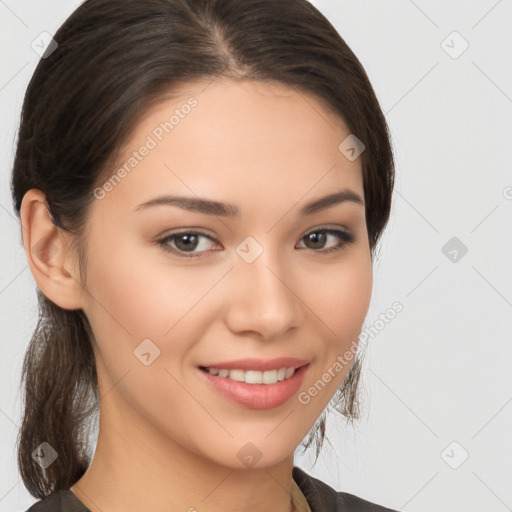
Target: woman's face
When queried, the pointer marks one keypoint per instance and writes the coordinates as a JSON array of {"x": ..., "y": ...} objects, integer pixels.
[{"x": 173, "y": 286}]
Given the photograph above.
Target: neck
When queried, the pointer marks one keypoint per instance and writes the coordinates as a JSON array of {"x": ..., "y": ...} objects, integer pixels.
[{"x": 136, "y": 467}]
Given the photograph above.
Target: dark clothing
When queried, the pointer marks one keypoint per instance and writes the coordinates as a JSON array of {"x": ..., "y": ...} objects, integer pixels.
[
  {"x": 61, "y": 501},
  {"x": 320, "y": 498}
]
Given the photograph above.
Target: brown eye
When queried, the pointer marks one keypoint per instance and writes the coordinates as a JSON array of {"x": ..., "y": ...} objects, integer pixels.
[
  {"x": 317, "y": 239},
  {"x": 185, "y": 243}
]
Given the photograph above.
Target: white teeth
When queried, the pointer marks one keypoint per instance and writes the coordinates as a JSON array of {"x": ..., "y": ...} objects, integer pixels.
[
  {"x": 238, "y": 375},
  {"x": 268, "y": 377},
  {"x": 253, "y": 376}
]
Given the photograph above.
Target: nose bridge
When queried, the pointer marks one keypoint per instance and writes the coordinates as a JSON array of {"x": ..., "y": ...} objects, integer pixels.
[{"x": 262, "y": 293}]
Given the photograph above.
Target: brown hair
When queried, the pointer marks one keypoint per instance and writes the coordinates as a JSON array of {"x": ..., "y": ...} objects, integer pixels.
[{"x": 114, "y": 59}]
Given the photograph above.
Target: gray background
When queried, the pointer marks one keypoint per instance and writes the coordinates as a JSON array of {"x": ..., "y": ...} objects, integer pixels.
[{"x": 437, "y": 378}]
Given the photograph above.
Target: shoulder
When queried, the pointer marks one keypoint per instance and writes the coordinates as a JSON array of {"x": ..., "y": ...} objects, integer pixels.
[
  {"x": 60, "y": 501},
  {"x": 322, "y": 497}
]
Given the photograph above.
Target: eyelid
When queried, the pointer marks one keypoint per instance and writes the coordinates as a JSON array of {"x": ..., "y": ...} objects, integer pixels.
[
  {"x": 197, "y": 231},
  {"x": 328, "y": 227}
]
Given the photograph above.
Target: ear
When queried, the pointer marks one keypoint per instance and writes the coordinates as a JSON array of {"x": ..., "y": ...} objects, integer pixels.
[{"x": 47, "y": 248}]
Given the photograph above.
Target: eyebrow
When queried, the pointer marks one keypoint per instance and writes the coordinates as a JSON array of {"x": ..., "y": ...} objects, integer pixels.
[{"x": 210, "y": 207}]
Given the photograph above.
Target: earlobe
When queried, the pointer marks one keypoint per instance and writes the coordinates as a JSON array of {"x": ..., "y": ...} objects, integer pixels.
[{"x": 48, "y": 254}]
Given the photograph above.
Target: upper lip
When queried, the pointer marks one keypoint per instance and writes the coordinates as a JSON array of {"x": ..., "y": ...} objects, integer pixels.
[{"x": 259, "y": 364}]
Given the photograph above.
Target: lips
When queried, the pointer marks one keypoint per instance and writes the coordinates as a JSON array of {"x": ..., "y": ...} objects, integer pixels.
[{"x": 256, "y": 395}]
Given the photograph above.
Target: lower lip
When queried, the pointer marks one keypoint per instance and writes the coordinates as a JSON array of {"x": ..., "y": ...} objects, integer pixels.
[{"x": 257, "y": 396}]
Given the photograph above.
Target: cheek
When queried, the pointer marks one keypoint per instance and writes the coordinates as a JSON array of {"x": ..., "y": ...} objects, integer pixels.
[
  {"x": 339, "y": 300},
  {"x": 135, "y": 296},
  {"x": 340, "y": 297},
  {"x": 135, "y": 293}
]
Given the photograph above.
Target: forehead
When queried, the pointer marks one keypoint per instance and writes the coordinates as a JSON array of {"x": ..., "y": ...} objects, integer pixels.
[{"x": 242, "y": 141}]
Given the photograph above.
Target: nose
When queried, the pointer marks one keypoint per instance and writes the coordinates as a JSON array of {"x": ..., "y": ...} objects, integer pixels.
[{"x": 262, "y": 298}]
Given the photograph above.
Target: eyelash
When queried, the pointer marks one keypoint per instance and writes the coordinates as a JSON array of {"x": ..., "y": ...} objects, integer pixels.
[{"x": 344, "y": 236}]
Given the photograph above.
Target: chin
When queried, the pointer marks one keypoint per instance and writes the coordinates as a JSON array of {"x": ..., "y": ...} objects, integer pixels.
[{"x": 251, "y": 455}]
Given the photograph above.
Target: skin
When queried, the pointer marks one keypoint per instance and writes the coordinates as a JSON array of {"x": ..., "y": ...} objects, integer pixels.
[{"x": 167, "y": 441}]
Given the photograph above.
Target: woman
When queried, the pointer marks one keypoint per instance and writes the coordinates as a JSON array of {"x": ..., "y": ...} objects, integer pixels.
[{"x": 201, "y": 186}]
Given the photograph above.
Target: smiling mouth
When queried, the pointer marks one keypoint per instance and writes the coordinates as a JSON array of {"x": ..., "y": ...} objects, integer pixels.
[
  {"x": 252, "y": 376},
  {"x": 255, "y": 389}
]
